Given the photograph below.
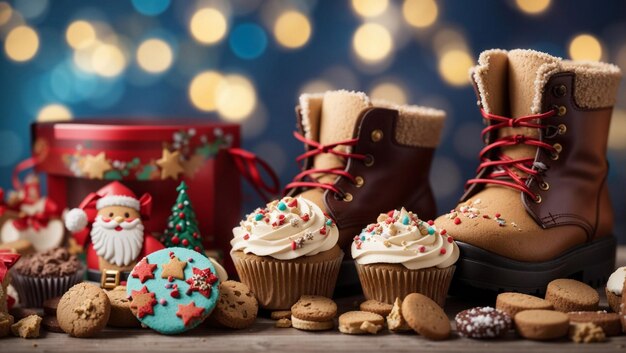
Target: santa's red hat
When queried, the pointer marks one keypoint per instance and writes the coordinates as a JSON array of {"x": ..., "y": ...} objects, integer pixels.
[{"x": 113, "y": 194}]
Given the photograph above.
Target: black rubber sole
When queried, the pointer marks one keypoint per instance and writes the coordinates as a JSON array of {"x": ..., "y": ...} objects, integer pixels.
[{"x": 479, "y": 270}]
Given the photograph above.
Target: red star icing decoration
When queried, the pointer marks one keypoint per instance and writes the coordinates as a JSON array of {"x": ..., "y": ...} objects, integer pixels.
[
  {"x": 143, "y": 270},
  {"x": 143, "y": 302},
  {"x": 189, "y": 312},
  {"x": 201, "y": 281}
]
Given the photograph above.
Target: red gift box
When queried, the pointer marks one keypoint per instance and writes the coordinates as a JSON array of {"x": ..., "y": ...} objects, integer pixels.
[{"x": 80, "y": 157}]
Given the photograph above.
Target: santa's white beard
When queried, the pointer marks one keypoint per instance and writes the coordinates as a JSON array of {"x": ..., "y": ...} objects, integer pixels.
[{"x": 117, "y": 247}]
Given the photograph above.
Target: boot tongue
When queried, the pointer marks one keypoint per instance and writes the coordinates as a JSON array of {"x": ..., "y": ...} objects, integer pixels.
[
  {"x": 339, "y": 115},
  {"x": 522, "y": 69},
  {"x": 340, "y": 111}
]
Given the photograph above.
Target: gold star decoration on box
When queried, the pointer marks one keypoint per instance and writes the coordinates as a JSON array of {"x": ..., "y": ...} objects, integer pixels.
[
  {"x": 174, "y": 268},
  {"x": 170, "y": 164},
  {"x": 95, "y": 166}
]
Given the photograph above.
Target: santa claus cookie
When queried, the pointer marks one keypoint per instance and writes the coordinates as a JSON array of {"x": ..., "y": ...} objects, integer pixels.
[{"x": 173, "y": 290}]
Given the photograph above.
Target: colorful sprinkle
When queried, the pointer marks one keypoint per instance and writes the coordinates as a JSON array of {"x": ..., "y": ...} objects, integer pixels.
[
  {"x": 497, "y": 215},
  {"x": 282, "y": 206},
  {"x": 457, "y": 221},
  {"x": 405, "y": 220},
  {"x": 246, "y": 237},
  {"x": 442, "y": 251},
  {"x": 422, "y": 248},
  {"x": 431, "y": 230},
  {"x": 294, "y": 246},
  {"x": 329, "y": 222},
  {"x": 450, "y": 240},
  {"x": 162, "y": 301},
  {"x": 323, "y": 231},
  {"x": 305, "y": 217},
  {"x": 293, "y": 203},
  {"x": 443, "y": 232},
  {"x": 430, "y": 222},
  {"x": 258, "y": 217}
]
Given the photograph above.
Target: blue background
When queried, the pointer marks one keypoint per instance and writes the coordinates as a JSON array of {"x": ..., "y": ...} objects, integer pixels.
[{"x": 279, "y": 75}]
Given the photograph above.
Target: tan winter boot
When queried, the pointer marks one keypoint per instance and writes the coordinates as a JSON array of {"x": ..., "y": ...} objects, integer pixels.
[
  {"x": 539, "y": 207},
  {"x": 363, "y": 158}
]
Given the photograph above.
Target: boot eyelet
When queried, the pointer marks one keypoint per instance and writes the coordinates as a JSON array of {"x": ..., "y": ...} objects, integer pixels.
[
  {"x": 347, "y": 197},
  {"x": 544, "y": 186},
  {"x": 558, "y": 147},
  {"x": 554, "y": 156},
  {"x": 537, "y": 198},
  {"x": 562, "y": 129},
  {"x": 376, "y": 135},
  {"x": 359, "y": 181},
  {"x": 559, "y": 90},
  {"x": 562, "y": 110},
  {"x": 369, "y": 160}
]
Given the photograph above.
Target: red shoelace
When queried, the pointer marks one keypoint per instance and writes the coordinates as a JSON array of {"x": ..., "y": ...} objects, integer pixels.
[
  {"x": 503, "y": 173},
  {"x": 307, "y": 180}
]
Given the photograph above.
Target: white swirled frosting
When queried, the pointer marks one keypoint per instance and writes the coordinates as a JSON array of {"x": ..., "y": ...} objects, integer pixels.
[
  {"x": 616, "y": 281},
  {"x": 285, "y": 229},
  {"x": 399, "y": 237}
]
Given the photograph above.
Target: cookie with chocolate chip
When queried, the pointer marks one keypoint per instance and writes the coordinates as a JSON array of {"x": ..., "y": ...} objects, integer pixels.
[{"x": 236, "y": 307}]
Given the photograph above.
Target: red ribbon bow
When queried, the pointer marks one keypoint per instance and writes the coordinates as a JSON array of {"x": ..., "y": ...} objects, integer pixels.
[
  {"x": 39, "y": 220},
  {"x": 7, "y": 260}
]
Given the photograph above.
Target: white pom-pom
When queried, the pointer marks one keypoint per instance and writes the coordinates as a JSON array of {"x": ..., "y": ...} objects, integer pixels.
[{"x": 76, "y": 220}]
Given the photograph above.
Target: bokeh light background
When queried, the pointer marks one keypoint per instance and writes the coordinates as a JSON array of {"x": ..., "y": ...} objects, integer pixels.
[{"x": 246, "y": 61}]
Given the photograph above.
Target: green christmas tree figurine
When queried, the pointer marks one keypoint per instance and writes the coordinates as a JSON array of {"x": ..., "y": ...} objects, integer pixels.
[{"x": 182, "y": 225}]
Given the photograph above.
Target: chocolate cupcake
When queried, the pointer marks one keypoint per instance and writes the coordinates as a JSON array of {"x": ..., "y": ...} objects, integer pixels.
[{"x": 45, "y": 275}]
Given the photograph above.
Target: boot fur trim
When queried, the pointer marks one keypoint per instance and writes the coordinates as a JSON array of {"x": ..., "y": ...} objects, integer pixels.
[
  {"x": 416, "y": 125},
  {"x": 596, "y": 83}
]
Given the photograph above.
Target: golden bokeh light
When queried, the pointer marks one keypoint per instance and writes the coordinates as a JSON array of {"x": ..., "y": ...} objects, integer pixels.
[
  {"x": 454, "y": 66},
  {"x": 203, "y": 90},
  {"x": 107, "y": 60},
  {"x": 447, "y": 39},
  {"x": 533, "y": 6},
  {"x": 236, "y": 98},
  {"x": 585, "y": 47},
  {"x": 208, "y": 25},
  {"x": 372, "y": 42},
  {"x": 389, "y": 91},
  {"x": 420, "y": 13},
  {"x": 80, "y": 34},
  {"x": 316, "y": 86},
  {"x": 154, "y": 55},
  {"x": 6, "y": 11},
  {"x": 54, "y": 112},
  {"x": 21, "y": 44},
  {"x": 292, "y": 29},
  {"x": 369, "y": 8}
]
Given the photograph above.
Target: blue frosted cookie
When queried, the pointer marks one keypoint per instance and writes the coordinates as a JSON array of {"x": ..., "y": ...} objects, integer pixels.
[{"x": 173, "y": 290}]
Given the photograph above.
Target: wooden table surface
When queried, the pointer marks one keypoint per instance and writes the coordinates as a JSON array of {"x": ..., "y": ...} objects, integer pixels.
[{"x": 264, "y": 337}]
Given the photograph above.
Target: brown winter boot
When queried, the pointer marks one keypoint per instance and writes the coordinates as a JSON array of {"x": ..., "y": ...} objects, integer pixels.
[
  {"x": 539, "y": 207},
  {"x": 363, "y": 158}
]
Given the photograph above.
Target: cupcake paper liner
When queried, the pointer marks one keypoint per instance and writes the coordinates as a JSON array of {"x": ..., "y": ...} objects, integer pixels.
[
  {"x": 33, "y": 291},
  {"x": 613, "y": 299},
  {"x": 385, "y": 284},
  {"x": 277, "y": 284}
]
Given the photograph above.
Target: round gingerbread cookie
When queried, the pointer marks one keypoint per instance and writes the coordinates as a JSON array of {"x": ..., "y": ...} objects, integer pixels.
[
  {"x": 173, "y": 290},
  {"x": 83, "y": 310},
  {"x": 121, "y": 314}
]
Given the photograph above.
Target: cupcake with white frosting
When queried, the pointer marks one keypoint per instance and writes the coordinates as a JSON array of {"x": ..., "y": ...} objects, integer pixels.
[
  {"x": 614, "y": 288},
  {"x": 285, "y": 250},
  {"x": 401, "y": 254}
]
